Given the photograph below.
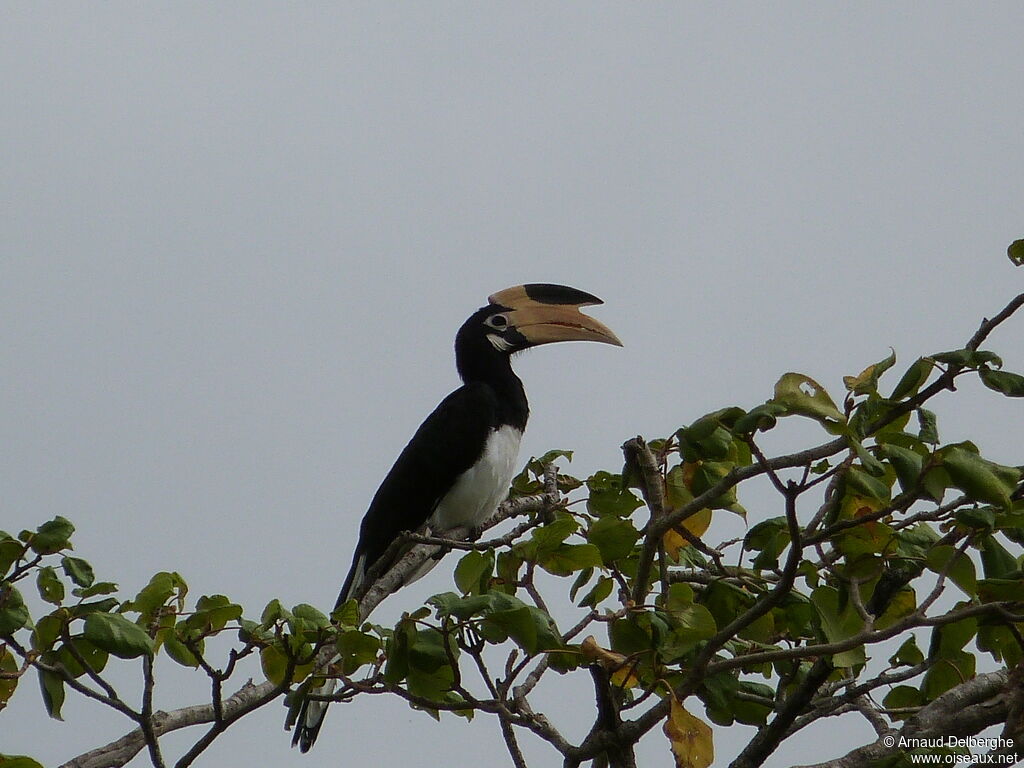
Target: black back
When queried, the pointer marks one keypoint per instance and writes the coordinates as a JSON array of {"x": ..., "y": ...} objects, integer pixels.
[{"x": 449, "y": 442}]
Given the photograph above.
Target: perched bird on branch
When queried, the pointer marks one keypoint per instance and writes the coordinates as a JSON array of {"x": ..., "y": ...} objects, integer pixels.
[{"x": 458, "y": 466}]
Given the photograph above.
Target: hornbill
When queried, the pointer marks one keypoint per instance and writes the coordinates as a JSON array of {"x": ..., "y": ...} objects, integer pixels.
[{"x": 458, "y": 466}]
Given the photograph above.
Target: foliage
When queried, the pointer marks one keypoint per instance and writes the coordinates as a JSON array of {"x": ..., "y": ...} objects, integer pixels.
[{"x": 830, "y": 605}]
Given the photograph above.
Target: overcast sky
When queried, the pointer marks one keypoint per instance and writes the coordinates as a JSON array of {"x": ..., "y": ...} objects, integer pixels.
[{"x": 236, "y": 240}]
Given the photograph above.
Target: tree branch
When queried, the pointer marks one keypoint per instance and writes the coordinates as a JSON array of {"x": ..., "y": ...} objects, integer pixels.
[
  {"x": 119, "y": 752},
  {"x": 964, "y": 710}
]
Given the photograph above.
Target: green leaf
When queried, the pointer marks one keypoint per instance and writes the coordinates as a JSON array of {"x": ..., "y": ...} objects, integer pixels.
[
  {"x": 903, "y": 697},
  {"x": 180, "y": 653},
  {"x": 907, "y": 463},
  {"x": 97, "y": 606},
  {"x": 601, "y": 591},
  {"x": 867, "y": 485},
  {"x": 529, "y": 627},
  {"x": 346, "y": 614},
  {"x": 529, "y": 481},
  {"x": 980, "y": 518},
  {"x": 839, "y": 624},
  {"x": 628, "y": 637},
  {"x": 580, "y": 581},
  {"x": 97, "y": 588},
  {"x": 428, "y": 653},
  {"x": 995, "y": 559},
  {"x": 948, "y": 639},
  {"x": 18, "y": 761},
  {"x": 569, "y": 558},
  {"x": 302, "y": 611},
  {"x": 52, "y": 536},
  {"x": 695, "y": 624},
  {"x": 13, "y": 612},
  {"x": 748, "y": 711},
  {"x": 679, "y": 597},
  {"x": 803, "y": 395},
  {"x": 725, "y": 601},
  {"x": 117, "y": 635},
  {"x": 51, "y": 588},
  {"x": 397, "y": 666},
  {"x": 706, "y": 475},
  {"x": 916, "y": 375},
  {"x": 795, "y": 617},
  {"x": 902, "y": 603},
  {"x": 615, "y": 537},
  {"x": 549, "y": 537},
  {"x": 761, "y": 418},
  {"x": 998, "y": 590},
  {"x": 946, "y": 673},
  {"x": 52, "y": 688},
  {"x": 872, "y": 465},
  {"x": 609, "y": 495},
  {"x": 508, "y": 566},
  {"x": 273, "y": 612},
  {"x": 698, "y": 442},
  {"x": 979, "y": 478},
  {"x": 1010, "y": 384},
  {"x": 11, "y": 550},
  {"x": 451, "y": 604},
  {"x": 551, "y": 456},
  {"x": 78, "y": 570},
  {"x": 161, "y": 588},
  {"x": 928, "y": 422},
  {"x": 274, "y": 662},
  {"x": 356, "y": 649},
  {"x": 908, "y": 654},
  {"x": 769, "y": 538},
  {"x": 213, "y": 612},
  {"x": 968, "y": 357},
  {"x": 473, "y": 572},
  {"x": 866, "y": 382},
  {"x": 869, "y": 538},
  {"x": 8, "y": 665},
  {"x": 1016, "y": 252},
  {"x": 961, "y": 572},
  {"x": 94, "y": 657},
  {"x": 718, "y": 692},
  {"x": 1000, "y": 642}
]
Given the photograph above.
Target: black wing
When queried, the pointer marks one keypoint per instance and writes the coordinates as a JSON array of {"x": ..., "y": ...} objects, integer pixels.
[{"x": 447, "y": 444}]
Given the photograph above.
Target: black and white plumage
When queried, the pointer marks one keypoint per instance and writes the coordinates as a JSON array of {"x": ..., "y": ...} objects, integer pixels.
[{"x": 458, "y": 466}]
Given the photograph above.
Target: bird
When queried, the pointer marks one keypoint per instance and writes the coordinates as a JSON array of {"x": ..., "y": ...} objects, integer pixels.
[{"x": 457, "y": 467}]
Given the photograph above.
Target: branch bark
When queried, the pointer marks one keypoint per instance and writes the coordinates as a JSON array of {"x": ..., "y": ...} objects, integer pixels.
[{"x": 965, "y": 710}]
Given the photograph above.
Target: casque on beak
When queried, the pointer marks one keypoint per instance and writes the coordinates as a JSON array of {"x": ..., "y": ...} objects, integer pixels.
[{"x": 544, "y": 313}]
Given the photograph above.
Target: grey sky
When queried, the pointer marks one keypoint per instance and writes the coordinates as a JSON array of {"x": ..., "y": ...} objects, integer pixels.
[{"x": 236, "y": 241}]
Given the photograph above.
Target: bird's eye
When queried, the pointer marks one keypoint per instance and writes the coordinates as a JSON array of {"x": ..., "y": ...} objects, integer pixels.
[{"x": 497, "y": 321}]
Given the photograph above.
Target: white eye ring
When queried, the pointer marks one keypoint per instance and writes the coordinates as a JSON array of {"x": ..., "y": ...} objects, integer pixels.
[{"x": 498, "y": 321}]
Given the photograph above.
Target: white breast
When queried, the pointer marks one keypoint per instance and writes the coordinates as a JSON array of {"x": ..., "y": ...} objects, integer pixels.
[{"x": 480, "y": 489}]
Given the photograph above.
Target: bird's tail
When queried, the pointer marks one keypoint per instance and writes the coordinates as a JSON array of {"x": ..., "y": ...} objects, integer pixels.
[{"x": 311, "y": 715}]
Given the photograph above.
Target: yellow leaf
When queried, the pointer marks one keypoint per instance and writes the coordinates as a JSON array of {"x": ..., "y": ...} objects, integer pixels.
[
  {"x": 692, "y": 744},
  {"x": 619, "y": 666},
  {"x": 854, "y": 506},
  {"x": 696, "y": 524}
]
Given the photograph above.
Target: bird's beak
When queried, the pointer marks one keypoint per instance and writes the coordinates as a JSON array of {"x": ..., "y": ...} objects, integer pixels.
[{"x": 545, "y": 313}]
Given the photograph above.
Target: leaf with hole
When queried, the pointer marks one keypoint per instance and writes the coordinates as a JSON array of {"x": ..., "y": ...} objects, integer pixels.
[{"x": 802, "y": 395}]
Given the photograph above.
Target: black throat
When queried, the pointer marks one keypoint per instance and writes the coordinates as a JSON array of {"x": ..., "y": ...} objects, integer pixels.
[{"x": 479, "y": 362}]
